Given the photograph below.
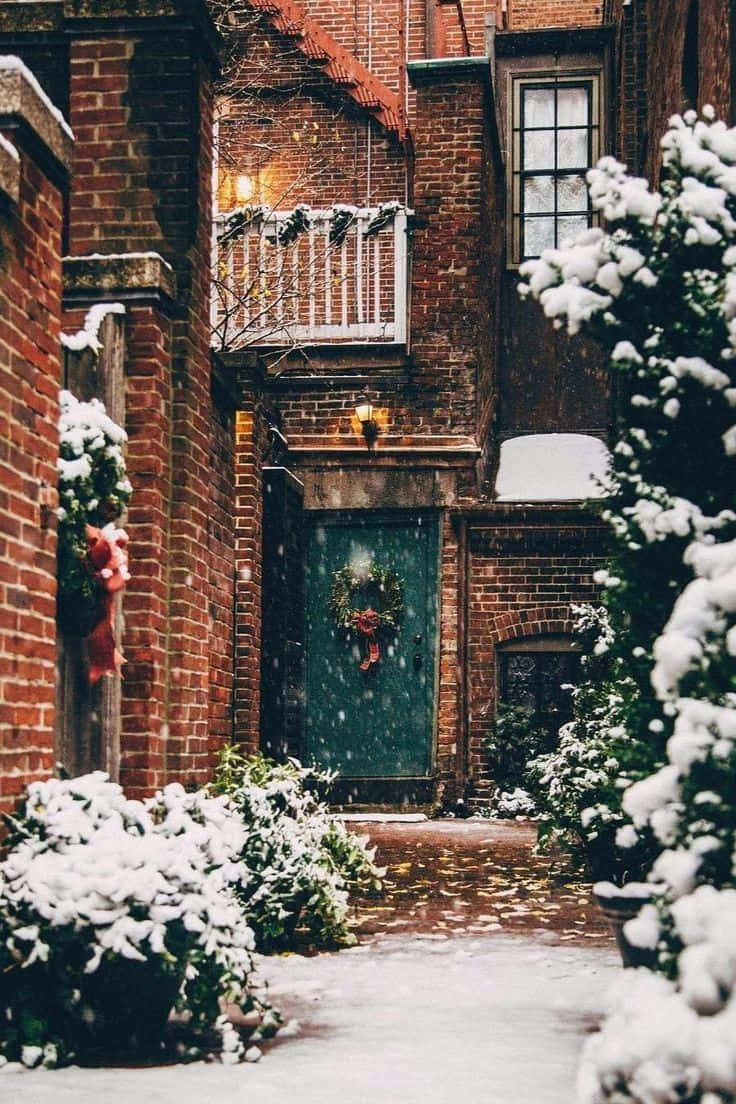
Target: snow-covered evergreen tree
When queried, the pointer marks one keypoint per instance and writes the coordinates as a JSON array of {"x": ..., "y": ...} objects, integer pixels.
[{"x": 657, "y": 287}]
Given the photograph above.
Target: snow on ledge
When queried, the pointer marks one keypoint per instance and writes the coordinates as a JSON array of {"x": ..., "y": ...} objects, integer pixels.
[
  {"x": 9, "y": 148},
  {"x": 551, "y": 467},
  {"x": 135, "y": 256},
  {"x": 89, "y": 336},
  {"x": 11, "y": 63}
]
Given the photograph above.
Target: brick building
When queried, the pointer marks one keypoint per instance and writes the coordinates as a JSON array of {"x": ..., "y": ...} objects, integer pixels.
[{"x": 436, "y": 143}]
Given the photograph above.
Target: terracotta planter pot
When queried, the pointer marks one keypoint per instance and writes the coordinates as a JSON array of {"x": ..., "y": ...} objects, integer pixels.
[{"x": 618, "y": 907}]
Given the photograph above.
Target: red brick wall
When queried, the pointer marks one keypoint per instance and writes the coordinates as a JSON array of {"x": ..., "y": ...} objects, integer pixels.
[
  {"x": 524, "y": 578},
  {"x": 650, "y": 41},
  {"x": 221, "y": 551},
  {"x": 187, "y": 751},
  {"x": 296, "y": 138},
  {"x": 449, "y": 290},
  {"x": 527, "y": 15},
  {"x": 630, "y": 105},
  {"x": 666, "y": 26},
  {"x": 146, "y": 604},
  {"x": 141, "y": 102},
  {"x": 30, "y": 374}
]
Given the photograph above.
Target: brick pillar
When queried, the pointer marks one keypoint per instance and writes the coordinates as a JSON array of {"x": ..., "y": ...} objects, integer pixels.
[
  {"x": 452, "y": 261},
  {"x": 145, "y": 285},
  {"x": 140, "y": 98},
  {"x": 35, "y": 155}
]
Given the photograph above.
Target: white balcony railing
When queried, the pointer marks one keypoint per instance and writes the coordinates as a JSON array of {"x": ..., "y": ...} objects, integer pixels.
[{"x": 306, "y": 276}]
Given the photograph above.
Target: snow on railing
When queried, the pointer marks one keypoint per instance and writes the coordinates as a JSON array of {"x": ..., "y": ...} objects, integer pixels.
[{"x": 308, "y": 275}]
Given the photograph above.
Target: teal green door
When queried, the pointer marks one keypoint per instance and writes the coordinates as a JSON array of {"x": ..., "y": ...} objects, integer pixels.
[{"x": 374, "y": 723}]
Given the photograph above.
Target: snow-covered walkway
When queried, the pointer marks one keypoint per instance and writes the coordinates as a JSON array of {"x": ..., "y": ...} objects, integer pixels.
[{"x": 497, "y": 1019}]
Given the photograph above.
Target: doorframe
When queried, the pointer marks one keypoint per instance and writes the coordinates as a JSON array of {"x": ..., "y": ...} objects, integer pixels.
[{"x": 378, "y": 788}]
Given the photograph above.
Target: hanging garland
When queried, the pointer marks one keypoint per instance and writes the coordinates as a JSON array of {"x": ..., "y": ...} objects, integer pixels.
[
  {"x": 92, "y": 557},
  {"x": 346, "y": 584}
]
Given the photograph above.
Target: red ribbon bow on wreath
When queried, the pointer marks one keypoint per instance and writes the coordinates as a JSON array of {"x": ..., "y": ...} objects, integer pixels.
[
  {"x": 108, "y": 557},
  {"x": 366, "y": 622}
]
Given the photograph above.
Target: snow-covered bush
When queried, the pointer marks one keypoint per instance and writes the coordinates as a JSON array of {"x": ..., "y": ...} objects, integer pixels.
[
  {"x": 578, "y": 786},
  {"x": 518, "y": 737},
  {"x": 93, "y": 490},
  {"x": 112, "y": 911},
  {"x": 658, "y": 287},
  {"x": 509, "y": 804},
  {"x": 301, "y": 862}
]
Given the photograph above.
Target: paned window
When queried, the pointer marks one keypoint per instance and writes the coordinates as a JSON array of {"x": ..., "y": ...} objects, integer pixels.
[
  {"x": 556, "y": 138},
  {"x": 533, "y": 681}
]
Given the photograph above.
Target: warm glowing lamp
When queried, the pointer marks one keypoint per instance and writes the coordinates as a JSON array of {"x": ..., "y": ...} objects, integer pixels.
[
  {"x": 245, "y": 188},
  {"x": 368, "y": 424}
]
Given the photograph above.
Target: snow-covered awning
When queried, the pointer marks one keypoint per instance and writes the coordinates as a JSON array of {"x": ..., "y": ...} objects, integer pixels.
[{"x": 551, "y": 467}]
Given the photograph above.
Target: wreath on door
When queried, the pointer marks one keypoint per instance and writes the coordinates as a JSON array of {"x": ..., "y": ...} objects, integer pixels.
[{"x": 384, "y": 611}]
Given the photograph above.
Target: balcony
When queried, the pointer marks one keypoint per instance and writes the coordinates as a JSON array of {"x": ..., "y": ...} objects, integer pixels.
[{"x": 307, "y": 276}]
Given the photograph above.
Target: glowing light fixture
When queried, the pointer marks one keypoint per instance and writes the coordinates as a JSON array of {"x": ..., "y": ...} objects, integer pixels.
[
  {"x": 245, "y": 188},
  {"x": 368, "y": 424}
]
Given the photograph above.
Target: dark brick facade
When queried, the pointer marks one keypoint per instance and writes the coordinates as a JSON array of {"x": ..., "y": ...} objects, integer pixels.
[
  {"x": 34, "y": 164},
  {"x": 477, "y": 367}
]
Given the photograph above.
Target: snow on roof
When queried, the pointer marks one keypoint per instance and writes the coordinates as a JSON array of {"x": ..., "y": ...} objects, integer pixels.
[{"x": 551, "y": 467}]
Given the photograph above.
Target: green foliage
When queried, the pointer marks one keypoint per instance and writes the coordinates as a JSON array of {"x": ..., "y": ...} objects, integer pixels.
[
  {"x": 518, "y": 737},
  {"x": 301, "y": 863},
  {"x": 578, "y": 786},
  {"x": 658, "y": 289},
  {"x": 356, "y": 587},
  {"x": 113, "y": 911},
  {"x": 93, "y": 490}
]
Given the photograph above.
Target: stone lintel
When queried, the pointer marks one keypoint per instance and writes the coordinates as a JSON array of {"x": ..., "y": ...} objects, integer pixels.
[
  {"x": 106, "y": 17},
  {"x": 125, "y": 277},
  {"x": 103, "y": 18},
  {"x": 31, "y": 16},
  {"x": 35, "y": 123},
  {"x": 375, "y": 488}
]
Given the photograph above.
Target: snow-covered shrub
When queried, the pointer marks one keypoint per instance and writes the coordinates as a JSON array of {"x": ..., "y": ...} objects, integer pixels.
[
  {"x": 518, "y": 737},
  {"x": 658, "y": 287},
  {"x": 673, "y": 1040},
  {"x": 578, "y": 786},
  {"x": 112, "y": 911},
  {"x": 301, "y": 862},
  {"x": 509, "y": 804},
  {"x": 93, "y": 490}
]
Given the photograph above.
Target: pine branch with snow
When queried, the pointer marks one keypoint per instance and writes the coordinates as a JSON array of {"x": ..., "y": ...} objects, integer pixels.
[{"x": 657, "y": 287}]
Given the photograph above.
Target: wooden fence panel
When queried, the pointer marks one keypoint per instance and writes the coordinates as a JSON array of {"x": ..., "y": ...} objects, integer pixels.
[{"x": 88, "y": 717}]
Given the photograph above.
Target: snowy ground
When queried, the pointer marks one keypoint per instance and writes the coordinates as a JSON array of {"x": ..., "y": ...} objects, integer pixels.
[{"x": 423, "y": 1020}]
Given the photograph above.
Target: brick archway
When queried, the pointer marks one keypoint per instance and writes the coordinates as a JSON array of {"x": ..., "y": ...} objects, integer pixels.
[{"x": 532, "y": 621}]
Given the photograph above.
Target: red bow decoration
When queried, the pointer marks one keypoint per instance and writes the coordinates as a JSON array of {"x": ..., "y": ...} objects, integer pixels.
[
  {"x": 108, "y": 557},
  {"x": 366, "y": 622}
]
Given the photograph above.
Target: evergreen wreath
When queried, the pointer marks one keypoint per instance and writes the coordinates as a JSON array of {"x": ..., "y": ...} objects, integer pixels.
[
  {"x": 349, "y": 580},
  {"x": 93, "y": 490}
]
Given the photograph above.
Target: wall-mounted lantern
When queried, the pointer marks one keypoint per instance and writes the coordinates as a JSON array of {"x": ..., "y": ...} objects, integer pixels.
[{"x": 368, "y": 424}]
